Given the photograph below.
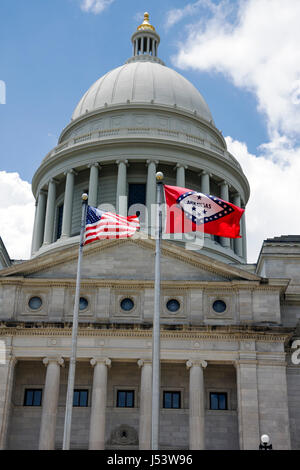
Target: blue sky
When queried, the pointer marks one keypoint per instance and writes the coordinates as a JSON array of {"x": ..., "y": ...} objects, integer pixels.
[
  {"x": 242, "y": 55},
  {"x": 52, "y": 51}
]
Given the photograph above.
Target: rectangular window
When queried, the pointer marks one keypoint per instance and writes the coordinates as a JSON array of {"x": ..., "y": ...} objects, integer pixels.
[
  {"x": 33, "y": 397},
  {"x": 218, "y": 401},
  {"x": 59, "y": 220},
  {"x": 125, "y": 398},
  {"x": 172, "y": 400},
  {"x": 80, "y": 398}
]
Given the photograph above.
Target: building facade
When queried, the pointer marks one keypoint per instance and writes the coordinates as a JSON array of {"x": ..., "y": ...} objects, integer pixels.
[{"x": 229, "y": 330}]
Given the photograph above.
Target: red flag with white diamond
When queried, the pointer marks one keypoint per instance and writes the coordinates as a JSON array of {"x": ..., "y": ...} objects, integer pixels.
[{"x": 191, "y": 211}]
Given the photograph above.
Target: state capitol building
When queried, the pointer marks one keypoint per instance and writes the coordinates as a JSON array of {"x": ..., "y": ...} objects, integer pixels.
[{"x": 227, "y": 327}]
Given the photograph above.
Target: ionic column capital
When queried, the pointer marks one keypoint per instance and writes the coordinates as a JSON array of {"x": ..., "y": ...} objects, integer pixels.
[
  {"x": 143, "y": 362},
  {"x": 95, "y": 164},
  {"x": 156, "y": 162},
  {"x": 203, "y": 173},
  {"x": 59, "y": 360},
  {"x": 180, "y": 165},
  {"x": 224, "y": 183},
  {"x": 190, "y": 364},
  {"x": 118, "y": 162},
  {"x": 71, "y": 171},
  {"x": 53, "y": 180},
  {"x": 104, "y": 360}
]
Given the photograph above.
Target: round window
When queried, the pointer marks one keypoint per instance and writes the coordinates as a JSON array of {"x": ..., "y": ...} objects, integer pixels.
[
  {"x": 219, "y": 306},
  {"x": 127, "y": 304},
  {"x": 173, "y": 305},
  {"x": 83, "y": 303},
  {"x": 35, "y": 303}
]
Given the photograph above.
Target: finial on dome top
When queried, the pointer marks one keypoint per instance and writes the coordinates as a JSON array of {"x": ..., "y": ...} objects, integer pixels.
[{"x": 146, "y": 24}]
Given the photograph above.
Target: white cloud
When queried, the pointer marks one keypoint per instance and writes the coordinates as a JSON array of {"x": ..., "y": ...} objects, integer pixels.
[
  {"x": 16, "y": 214},
  {"x": 255, "y": 44},
  {"x": 95, "y": 6},
  {"x": 177, "y": 14},
  {"x": 258, "y": 50},
  {"x": 272, "y": 209}
]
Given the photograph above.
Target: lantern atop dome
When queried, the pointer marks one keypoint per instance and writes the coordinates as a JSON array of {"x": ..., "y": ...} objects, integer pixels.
[{"x": 145, "y": 41}]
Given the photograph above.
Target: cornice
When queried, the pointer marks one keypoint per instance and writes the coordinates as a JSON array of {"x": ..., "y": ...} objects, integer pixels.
[
  {"x": 205, "y": 334},
  {"x": 154, "y": 140},
  {"x": 130, "y": 284}
]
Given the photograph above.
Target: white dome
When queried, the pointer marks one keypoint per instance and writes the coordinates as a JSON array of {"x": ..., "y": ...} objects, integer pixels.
[{"x": 143, "y": 82}]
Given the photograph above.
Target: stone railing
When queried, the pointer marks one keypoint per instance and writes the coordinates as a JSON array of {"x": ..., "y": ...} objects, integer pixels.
[{"x": 180, "y": 136}]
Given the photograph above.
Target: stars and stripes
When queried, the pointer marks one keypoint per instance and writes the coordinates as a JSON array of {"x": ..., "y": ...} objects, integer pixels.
[{"x": 102, "y": 225}]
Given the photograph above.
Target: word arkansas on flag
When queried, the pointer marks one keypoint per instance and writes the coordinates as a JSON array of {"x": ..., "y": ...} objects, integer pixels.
[{"x": 190, "y": 211}]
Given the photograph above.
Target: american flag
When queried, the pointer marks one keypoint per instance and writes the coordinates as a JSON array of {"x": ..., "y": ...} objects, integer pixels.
[{"x": 101, "y": 225}]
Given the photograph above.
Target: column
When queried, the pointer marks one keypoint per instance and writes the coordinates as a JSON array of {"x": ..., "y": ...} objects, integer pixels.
[
  {"x": 50, "y": 402},
  {"x": 205, "y": 189},
  {"x": 121, "y": 202},
  {"x": 7, "y": 369},
  {"x": 205, "y": 182},
  {"x": 196, "y": 405},
  {"x": 34, "y": 226},
  {"x": 145, "y": 404},
  {"x": 93, "y": 184},
  {"x": 238, "y": 244},
  {"x": 98, "y": 410},
  {"x": 151, "y": 191},
  {"x": 180, "y": 175},
  {"x": 225, "y": 242},
  {"x": 39, "y": 222},
  {"x": 148, "y": 45},
  {"x": 68, "y": 204},
  {"x": 247, "y": 395},
  {"x": 244, "y": 235},
  {"x": 50, "y": 211}
]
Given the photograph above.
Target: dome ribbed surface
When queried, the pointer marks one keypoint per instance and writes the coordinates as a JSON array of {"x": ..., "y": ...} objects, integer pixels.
[{"x": 143, "y": 82}]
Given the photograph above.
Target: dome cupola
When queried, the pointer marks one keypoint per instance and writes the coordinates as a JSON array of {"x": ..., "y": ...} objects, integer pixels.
[{"x": 145, "y": 41}]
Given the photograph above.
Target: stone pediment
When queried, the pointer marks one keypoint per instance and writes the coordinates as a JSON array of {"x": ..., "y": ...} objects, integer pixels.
[{"x": 128, "y": 259}]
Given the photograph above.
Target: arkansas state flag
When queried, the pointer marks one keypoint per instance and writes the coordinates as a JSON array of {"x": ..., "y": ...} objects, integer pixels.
[{"x": 190, "y": 211}]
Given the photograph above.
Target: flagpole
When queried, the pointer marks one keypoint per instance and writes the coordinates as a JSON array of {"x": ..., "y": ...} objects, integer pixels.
[
  {"x": 72, "y": 366},
  {"x": 156, "y": 321}
]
